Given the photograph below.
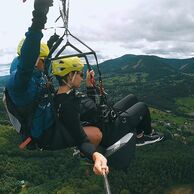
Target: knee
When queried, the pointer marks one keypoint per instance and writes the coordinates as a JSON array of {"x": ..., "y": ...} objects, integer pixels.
[
  {"x": 94, "y": 134},
  {"x": 98, "y": 135},
  {"x": 142, "y": 105},
  {"x": 132, "y": 97},
  {"x": 97, "y": 138}
]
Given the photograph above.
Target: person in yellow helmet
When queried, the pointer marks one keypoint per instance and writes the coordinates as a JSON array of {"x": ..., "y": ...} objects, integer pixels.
[
  {"x": 134, "y": 116},
  {"x": 28, "y": 92},
  {"x": 69, "y": 73},
  {"x": 26, "y": 84}
]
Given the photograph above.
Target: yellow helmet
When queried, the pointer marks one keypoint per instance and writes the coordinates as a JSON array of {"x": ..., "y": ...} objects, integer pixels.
[
  {"x": 62, "y": 67},
  {"x": 44, "y": 49}
]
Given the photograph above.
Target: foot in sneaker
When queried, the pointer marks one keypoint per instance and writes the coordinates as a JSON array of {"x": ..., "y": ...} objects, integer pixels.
[
  {"x": 157, "y": 133},
  {"x": 149, "y": 139}
]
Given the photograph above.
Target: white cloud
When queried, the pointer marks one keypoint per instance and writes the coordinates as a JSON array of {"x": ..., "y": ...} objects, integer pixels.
[{"x": 113, "y": 28}]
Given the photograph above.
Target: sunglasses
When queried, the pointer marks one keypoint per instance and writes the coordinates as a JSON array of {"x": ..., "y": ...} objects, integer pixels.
[{"x": 81, "y": 73}]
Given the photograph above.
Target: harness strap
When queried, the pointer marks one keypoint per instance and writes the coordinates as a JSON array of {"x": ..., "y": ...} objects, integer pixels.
[{"x": 25, "y": 142}]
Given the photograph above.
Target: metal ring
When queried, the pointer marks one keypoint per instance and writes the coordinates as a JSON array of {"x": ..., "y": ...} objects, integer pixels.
[{"x": 113, "y": 114}]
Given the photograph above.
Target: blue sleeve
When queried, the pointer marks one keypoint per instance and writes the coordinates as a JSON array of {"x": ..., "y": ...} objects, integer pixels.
[
  {"x": 27, "y": 59},
  {"x": 13, "y": 66}
]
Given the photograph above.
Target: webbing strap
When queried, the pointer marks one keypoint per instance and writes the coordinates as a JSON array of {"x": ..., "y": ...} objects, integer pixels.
[
  {"x": 25, "y": 143},
  {"x": 64, "y": 11}
]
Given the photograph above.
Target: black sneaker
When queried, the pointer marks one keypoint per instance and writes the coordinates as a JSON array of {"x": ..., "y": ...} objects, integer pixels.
[
  {"x": 157, "y": 133},
  {"x": 149, "y": 139}
]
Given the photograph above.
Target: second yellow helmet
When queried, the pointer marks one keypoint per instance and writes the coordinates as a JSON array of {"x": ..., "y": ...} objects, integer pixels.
[{"x": 62, "y": 67}]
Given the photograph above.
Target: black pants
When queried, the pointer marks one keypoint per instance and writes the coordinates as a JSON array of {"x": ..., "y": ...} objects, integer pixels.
[{"x": 133, "y": 116}]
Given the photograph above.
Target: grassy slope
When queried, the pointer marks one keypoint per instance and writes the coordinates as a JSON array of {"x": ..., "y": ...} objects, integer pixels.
[{"x": 186, "y": 105}]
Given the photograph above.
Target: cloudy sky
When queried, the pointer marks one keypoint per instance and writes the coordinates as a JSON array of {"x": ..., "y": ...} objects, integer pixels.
[{"x": 111, "y": 27}]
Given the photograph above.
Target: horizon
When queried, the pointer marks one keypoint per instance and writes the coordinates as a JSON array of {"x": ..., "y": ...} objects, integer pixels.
[
  {"x": 11, "y": 58},
  {"x": 4, "y": 68}
]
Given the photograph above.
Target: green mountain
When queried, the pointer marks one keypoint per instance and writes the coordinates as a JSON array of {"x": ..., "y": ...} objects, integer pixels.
[
  {"x": 3, "y": 80},
  {"x": 139, "y": 63},
  {"x": 177, "y": 63},
  {"x": 187, "y": 68},
  {"x": 152, "y": 65}
]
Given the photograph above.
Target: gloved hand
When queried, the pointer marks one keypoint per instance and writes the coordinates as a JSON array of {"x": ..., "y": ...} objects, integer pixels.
[
  {"x": 52, "y": 40},
  {"x": 42, "y": 5},
  {"x": 41, "y": 8}
]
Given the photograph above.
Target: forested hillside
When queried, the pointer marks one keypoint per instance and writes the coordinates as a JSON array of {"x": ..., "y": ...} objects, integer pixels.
[
  {"x": 155, "y": 170},
  {"x": 163, "y": 168},
  {"x": 157, "y": 81}
]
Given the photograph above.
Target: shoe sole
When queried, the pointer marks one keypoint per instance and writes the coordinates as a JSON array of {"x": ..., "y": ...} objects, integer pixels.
[{"x": 150, "y": 142}]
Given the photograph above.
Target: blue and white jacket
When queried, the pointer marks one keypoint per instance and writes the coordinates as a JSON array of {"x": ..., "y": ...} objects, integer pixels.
[{"x": 26, "y": 83}]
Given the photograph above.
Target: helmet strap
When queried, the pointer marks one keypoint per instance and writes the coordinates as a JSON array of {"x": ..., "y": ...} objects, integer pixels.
[
  {"x": 73, "y": 78},
  {"x": 67, "y": 84},
  {"x": 37, "y": 61}
]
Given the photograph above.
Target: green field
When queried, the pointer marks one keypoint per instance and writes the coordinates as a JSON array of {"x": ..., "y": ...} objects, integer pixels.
[{"x": 186, "y": 105}]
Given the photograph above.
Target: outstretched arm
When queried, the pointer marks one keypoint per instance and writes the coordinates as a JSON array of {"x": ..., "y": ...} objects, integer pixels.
[{"x": 30, "y": 48}]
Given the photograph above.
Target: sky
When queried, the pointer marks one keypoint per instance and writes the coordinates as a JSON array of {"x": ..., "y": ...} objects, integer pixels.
[{"x": 110, "y": 27}]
